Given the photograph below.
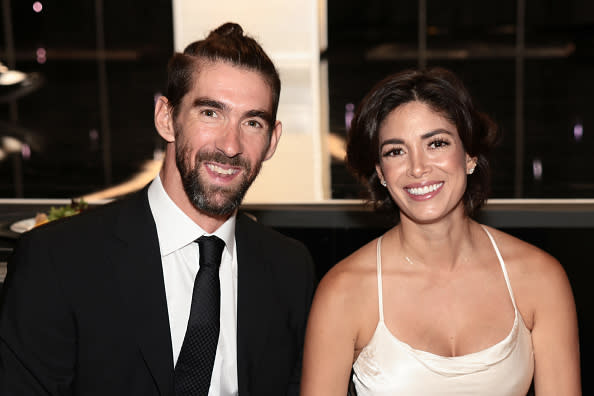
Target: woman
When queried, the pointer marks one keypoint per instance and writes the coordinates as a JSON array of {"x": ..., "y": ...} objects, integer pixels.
[{"x": 440, "y": 304}]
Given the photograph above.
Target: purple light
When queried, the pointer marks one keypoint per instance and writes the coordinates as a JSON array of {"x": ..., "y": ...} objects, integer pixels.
[
  {"x": 26, "y": 151},
  {"x": 41, "y": 54},
  {"x": 537, "y": 169},
  {"x": 578, "y": 132},
  {"x": 156, "y": 97},
  {"x": 349, "y": 112},
  {"x": 37, "y": 6},
  {"x": 93, "y": 135}
]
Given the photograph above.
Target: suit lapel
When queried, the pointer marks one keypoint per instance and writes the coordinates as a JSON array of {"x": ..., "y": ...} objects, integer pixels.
[
  {"x": 253, "y": 299},
  {"x": 137, "y": 260}
]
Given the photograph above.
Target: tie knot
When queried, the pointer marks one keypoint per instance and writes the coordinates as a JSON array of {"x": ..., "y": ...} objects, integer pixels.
[{"x": 211, "y": 250}]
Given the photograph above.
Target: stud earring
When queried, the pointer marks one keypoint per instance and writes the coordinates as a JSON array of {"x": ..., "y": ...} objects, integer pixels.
[
  {"x": 384, "y": 183},
  {"x": 471, "y": 171}
]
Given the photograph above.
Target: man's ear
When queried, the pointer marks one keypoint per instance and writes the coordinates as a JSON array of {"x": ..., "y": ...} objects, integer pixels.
[
  {"x": 275, "y": 136},
  {"x": 164, "y": 119}
]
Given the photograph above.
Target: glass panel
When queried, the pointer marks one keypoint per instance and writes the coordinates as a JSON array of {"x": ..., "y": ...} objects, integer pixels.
[
  {"x": 551, "y": 71},
  {"x": 62, "y": 126},
  {"x": 491, "y": 83},
  {"x": 366, "y": 42}
]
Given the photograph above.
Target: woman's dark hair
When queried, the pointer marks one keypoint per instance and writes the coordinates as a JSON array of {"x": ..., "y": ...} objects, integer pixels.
[
  {"x": 445, "y": 94},
  {"x": 227, "y": 43}
]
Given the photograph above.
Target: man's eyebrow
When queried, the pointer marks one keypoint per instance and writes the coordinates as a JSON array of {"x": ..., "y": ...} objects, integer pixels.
[
  {"x": 265, "y": 115},
  {"x": 206, "y": 102},
  {"x": 436, "y": 132}
]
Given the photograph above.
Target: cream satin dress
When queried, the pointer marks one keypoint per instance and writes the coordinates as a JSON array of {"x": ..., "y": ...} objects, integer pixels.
[{"x": 388, "y": 366}]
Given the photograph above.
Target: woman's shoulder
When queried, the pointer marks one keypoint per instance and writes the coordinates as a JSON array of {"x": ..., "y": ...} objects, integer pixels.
[
  {"x": 536, "y": 275},
  {"x": 352, "y": 275},
  {"x": 361, "y": 261},
  {"x": 521, "y": 254}
]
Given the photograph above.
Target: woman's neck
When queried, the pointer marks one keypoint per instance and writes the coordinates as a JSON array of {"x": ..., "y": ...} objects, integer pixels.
[{"x": 443, "y": 244}]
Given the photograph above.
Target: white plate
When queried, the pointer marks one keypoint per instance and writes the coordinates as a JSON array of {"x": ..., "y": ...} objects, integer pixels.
[{"x": 23, "y": 225}]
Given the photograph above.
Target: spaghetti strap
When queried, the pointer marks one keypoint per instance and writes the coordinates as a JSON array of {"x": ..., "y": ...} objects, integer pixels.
[
  {"x": 503, "y": 268},
  {"x": 389, "y": 366},
  {"x": 379, "y": 279}
]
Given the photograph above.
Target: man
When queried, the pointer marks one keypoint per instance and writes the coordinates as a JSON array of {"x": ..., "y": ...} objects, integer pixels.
[{"x": 103, "y": 303}]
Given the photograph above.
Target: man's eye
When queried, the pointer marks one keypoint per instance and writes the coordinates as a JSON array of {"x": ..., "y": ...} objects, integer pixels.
[
  {"x": 209, "y": 113},
  {"x": 254, "y": 124}
]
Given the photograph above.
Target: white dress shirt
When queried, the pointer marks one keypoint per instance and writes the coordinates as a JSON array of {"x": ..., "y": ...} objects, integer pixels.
[{"x": 179, "y": 257}]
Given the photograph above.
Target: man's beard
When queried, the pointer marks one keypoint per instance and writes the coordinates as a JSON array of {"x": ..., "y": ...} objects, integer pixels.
[{"x": 209, "y": 198}]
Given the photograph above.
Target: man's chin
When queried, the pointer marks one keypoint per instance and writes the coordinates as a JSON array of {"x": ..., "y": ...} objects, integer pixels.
[{"x": 217, "y": 205}]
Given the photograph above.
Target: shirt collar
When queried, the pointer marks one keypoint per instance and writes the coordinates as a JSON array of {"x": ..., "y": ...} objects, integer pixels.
[{"x": 175, "y": 229}]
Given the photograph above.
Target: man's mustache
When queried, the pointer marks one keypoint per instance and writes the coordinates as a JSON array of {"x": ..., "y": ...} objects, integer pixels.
[{"x": 221, "y": 158}]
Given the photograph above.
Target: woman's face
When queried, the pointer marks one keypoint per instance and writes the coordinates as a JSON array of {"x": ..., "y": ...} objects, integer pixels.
[{"x": 423, "y": 162}]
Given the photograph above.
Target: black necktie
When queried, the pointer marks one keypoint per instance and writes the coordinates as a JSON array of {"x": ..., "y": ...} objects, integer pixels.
[{"x": 196, "y": 358}]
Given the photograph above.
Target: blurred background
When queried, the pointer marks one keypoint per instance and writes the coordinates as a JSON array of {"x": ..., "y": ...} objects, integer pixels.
[
  {"x": 78, "y": 81},
  {"x": 88, "y": 124},
  {"x": 81, "y": 119}
]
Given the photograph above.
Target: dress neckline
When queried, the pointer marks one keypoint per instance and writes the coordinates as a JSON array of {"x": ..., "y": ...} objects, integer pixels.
[{"x": 450, "y": 365}]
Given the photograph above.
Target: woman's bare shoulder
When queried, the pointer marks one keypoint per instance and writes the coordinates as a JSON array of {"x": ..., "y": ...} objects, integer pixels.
[
  {"x": 351, "y": 275},
  {"x": 531, "y": 267},
  {"x": 523, "y": 255}
]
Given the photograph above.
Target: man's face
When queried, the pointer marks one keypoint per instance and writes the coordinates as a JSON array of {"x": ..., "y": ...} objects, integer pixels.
[{"x": 222, "y": 135}]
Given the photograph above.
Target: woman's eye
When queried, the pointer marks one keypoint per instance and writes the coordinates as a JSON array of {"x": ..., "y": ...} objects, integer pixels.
[
  {"x": 393, "y": 152},
  {"x": 439, "y": 143}
]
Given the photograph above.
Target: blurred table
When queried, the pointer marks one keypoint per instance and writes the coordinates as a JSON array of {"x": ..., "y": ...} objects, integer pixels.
[{"x": 341, "y": 214}]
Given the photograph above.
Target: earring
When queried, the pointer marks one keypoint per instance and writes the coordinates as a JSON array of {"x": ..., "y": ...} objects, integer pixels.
[
  {"x": 471, "y": 171},
  {"x": 384, "y": 183}
]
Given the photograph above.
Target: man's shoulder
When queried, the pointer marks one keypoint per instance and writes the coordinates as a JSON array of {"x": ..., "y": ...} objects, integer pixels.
[
  {"x": 290, "y": 258},
  {"x": 90, "y": 221},
  {"x": 248, "y": 227}
]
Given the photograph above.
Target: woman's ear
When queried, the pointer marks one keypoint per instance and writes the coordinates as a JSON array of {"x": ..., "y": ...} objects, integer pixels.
[
  {"x": 164, "y": 119},
  {"x": 380, "y": 175},
  {"x": 470, "y": 164}
]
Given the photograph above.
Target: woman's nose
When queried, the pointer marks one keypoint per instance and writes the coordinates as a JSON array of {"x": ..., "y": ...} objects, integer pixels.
[{"x": 418, "y": 164}]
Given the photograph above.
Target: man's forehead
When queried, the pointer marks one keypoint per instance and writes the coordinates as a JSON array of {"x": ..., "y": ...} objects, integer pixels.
[
  {"x": 223, "y": 69},
  {"x": 228, "y": 83}
]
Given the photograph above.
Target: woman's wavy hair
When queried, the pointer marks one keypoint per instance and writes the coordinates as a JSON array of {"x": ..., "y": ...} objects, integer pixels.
[{"x": 445, "y": 94}]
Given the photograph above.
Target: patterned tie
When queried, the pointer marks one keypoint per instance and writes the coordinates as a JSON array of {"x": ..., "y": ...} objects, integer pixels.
[{"x": 196, "y": 358}]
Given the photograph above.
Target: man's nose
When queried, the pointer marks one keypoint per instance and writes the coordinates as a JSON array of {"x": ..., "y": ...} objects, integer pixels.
[{"x": 229, "y": 141}]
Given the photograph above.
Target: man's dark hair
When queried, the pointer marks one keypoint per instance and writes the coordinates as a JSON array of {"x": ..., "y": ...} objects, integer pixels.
[
  {"x": 445, "y": 94},
  {"x": 227, "y": 43}
]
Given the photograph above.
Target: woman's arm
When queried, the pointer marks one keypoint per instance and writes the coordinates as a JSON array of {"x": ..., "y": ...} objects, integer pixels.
[
  {"x": 330, "y": 338},
  {"x": 554, "y": 332}
]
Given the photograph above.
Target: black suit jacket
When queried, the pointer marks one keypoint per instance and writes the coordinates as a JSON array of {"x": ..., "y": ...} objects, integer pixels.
[{"x": 83, "y": 310}]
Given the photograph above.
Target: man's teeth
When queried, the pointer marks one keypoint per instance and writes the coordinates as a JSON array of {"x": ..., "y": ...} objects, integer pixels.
[
  {"x": 424, "y": 190},
  {"x": 220, "y": 170}
]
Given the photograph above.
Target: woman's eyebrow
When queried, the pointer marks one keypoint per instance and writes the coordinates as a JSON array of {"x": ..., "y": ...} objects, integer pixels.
[
  {"x": 391, "y": 141},
  {"x": 436, "y": 132},
  {"x": 426, "y": 135}
]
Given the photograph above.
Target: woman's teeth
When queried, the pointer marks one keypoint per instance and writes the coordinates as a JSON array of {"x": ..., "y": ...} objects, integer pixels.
[{"x": 424, "y": 190}]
